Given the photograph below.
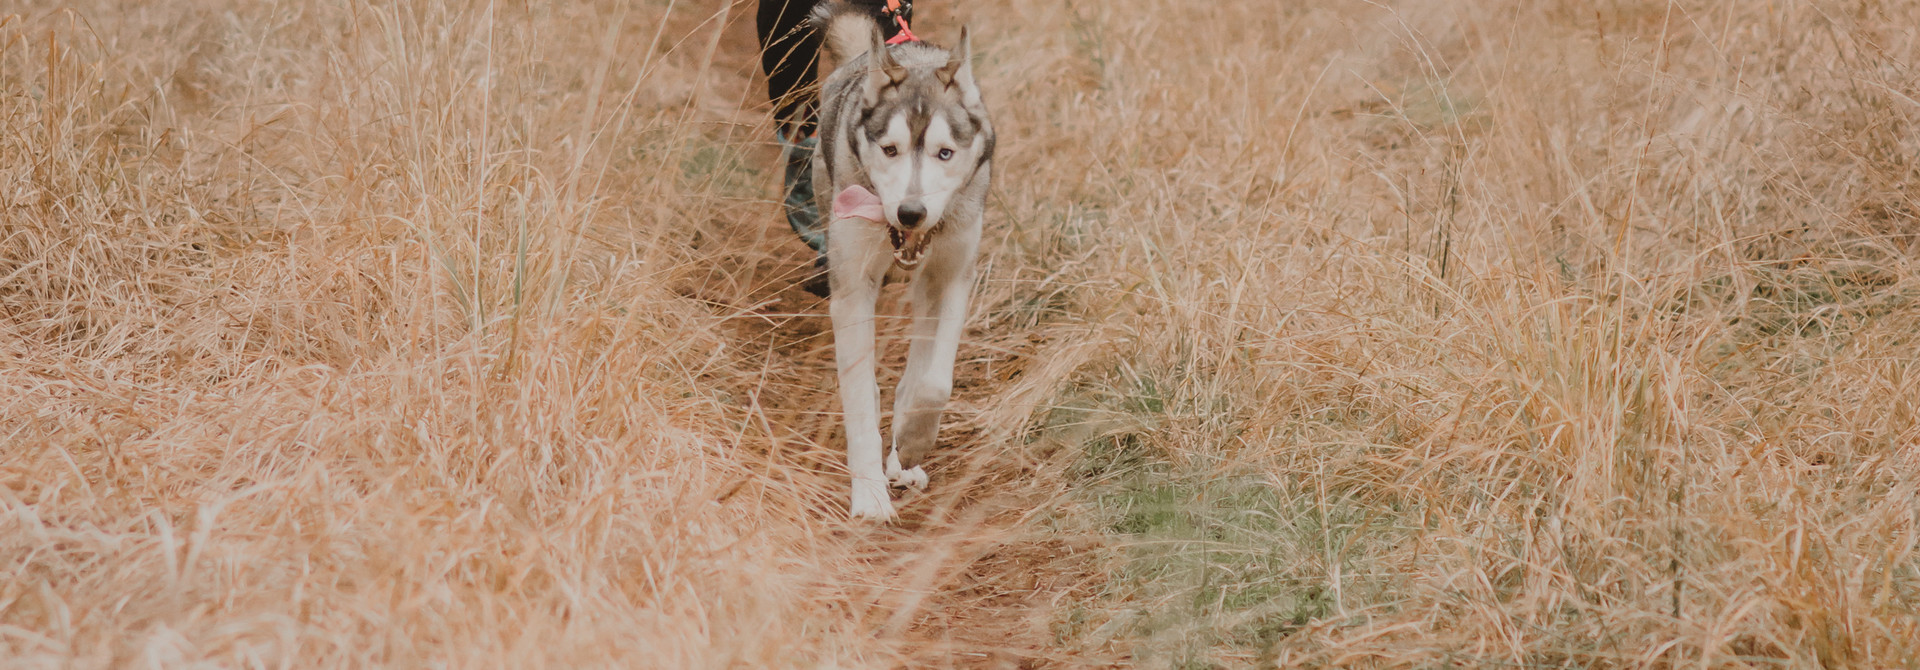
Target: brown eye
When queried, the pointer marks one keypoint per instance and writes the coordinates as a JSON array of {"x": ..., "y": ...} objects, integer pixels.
[
  {"x": 945, "y": 154},
  {"x": 890, "y": 151}
]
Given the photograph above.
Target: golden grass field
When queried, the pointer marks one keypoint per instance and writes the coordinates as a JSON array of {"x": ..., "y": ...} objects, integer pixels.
[{"x": 1416, "y": 333}]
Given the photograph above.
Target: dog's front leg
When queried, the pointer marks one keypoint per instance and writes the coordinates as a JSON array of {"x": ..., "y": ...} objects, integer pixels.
[
  {"x": 857, "y": 265},
  {"x": 939, "y": 296}
]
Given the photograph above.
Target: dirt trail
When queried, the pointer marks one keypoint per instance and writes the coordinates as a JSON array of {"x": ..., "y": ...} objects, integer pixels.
[
  {"x": 959, "y": 578},
  {"x": 962, "y": 580}
]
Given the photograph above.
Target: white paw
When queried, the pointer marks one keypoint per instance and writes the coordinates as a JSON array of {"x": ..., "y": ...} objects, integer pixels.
[
  {"x": 870, "y": 501},
  {"x": 915, "y": 479}
]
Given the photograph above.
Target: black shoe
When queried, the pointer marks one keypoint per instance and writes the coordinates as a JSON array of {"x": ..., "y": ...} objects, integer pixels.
[{"x": 817, "y": 283}]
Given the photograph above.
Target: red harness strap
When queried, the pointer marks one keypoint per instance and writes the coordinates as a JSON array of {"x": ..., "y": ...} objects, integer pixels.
[{"x": 899, "y": 15}]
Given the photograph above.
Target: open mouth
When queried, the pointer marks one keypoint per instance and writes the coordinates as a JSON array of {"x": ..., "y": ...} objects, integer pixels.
[{"x": 909, "y": 247}]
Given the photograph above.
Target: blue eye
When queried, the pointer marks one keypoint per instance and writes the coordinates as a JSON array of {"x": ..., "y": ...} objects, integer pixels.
[{"x": 945, "y": 154}]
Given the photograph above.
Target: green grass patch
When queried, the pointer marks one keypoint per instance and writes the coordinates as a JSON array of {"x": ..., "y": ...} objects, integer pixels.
[
  {"x": 721, "y": 169},
  {"x": 1221, "y": 556}
]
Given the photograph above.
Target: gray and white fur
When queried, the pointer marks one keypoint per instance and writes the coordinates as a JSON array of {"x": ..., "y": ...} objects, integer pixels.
[{"x": 907, "y": 123}]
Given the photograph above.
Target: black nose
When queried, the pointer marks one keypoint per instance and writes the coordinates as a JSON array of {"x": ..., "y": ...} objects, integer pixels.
[{"x": 911, "y": 214}]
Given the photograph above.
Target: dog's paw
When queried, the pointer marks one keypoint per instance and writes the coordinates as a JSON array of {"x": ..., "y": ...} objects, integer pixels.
[
  {"x": 871, "y": 501},
  {"x": 914, "y": 478}
]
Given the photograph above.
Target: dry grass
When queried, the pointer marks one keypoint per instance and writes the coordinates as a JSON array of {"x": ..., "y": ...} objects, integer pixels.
[{"x": 1426, "y": 333}]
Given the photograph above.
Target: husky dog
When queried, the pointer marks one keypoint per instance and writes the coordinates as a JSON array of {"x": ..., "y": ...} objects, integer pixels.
[{"x": 906, "y": 151}]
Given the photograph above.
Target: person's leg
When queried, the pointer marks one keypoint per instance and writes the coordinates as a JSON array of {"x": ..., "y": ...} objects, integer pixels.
[{"x": 789, "y": 54}]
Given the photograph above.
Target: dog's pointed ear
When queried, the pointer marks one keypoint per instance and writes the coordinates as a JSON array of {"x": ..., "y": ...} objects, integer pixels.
[
  {"x": 957, "y": 61},
  {"x": 959, "y": 68},
  {"x": 886, "y": 70}
]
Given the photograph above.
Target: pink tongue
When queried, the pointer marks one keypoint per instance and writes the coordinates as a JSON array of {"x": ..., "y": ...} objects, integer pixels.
[{"x": 856, "y": 202}]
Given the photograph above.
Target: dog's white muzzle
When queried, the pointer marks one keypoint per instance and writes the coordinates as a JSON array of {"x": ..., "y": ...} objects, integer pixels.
[{"x": 909, "y": 246}]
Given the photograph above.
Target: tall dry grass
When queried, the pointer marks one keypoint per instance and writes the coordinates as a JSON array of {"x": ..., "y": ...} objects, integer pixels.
[
  {"x": 344, "y": 335},
  {"x": 1423, "y": 333}
]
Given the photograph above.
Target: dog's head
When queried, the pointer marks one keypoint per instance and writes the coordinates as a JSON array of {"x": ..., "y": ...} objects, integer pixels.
[{"x": 923, "y": 137}]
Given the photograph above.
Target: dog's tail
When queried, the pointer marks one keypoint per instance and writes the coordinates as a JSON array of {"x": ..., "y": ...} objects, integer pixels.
[{"x": 846, "y": 29}]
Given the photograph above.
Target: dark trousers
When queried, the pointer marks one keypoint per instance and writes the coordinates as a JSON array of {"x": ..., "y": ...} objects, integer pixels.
[{"x": 790, "y": 55}]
